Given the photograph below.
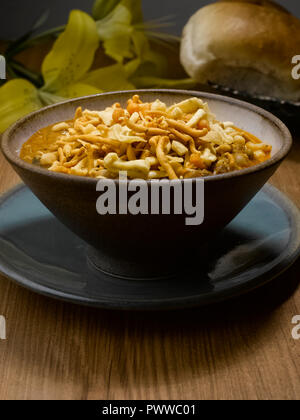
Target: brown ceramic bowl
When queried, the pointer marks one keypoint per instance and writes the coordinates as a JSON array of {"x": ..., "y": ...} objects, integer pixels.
[{"x": 145, "y": 246}]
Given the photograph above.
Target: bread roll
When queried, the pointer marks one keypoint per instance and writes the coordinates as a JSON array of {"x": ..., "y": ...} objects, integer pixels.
[
  {"x": 245, "y": 46},
  {"x": 266, "y": 3}
]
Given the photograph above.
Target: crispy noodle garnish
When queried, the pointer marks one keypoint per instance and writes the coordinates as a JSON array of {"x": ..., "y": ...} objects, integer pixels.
[{"x": 148, "y": 140}]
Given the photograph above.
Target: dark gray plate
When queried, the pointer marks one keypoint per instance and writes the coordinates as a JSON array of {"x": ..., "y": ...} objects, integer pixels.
[{"x": 38, "y": 252}]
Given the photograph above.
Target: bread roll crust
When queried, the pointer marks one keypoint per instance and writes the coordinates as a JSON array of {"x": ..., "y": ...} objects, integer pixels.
[
  {"x": 265, "y": 3},
  {"x": 244, "y": 46}
]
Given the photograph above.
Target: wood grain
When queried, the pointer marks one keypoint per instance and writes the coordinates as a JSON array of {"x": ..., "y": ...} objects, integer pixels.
[{"x": 242, "y": 349}]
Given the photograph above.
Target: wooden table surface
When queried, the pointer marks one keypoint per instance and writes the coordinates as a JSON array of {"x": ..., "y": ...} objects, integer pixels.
[{"x": 242, "y": 349}]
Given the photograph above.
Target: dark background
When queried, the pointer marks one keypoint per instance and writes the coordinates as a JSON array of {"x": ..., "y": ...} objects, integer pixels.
[{"x": 16, "y": 16}]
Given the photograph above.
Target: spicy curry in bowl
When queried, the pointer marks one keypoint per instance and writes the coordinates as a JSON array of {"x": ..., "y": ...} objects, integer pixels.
[
  {"x": 180, "y": 139},
  {"x": 147, "y": 140}
]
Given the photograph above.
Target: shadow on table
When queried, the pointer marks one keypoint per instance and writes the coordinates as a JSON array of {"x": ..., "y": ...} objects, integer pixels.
[
  {"x": 294, "y": 154},
  {"x": 103, "y": 349}
]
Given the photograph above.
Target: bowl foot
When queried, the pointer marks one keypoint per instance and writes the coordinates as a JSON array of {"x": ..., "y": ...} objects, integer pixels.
[{"x": 150, "y": 268}]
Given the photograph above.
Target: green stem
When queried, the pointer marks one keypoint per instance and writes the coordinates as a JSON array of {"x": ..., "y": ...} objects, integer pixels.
[
  {"x": 46, "y": 34},
  {"x": 34, "y": 41},
  {"x": 49, "y": 98},
  {"x": 30, "y": 75},
  {"x": 10, "y": 71}
]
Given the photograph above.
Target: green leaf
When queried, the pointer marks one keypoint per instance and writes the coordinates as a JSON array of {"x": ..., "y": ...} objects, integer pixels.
[
  {"x": 109, "y": 79},
  {"x": 102, "y": 8},
  {"x": 72, "y": 54},
  {"x": 22, "y": 72},
  {"x": 18, "y": 98},
  {"x": 17, "y": 45}
]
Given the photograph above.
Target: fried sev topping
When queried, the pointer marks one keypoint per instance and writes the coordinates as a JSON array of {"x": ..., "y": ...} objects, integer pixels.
[{"x": 149, "y": 141}]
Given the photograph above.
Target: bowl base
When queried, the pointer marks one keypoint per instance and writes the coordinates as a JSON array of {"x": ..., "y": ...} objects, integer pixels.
[{"x": 130, "y": 270}]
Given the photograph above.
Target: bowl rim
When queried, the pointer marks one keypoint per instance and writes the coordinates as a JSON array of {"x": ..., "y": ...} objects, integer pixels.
[{"x": 285, "y": 148}]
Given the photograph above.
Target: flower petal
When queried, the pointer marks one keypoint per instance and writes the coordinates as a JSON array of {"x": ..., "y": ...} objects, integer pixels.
[
  {"x": 109, "y": 79},
  {"x": 72, "y": 54},
  {"x": 18, "y": 98}
]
